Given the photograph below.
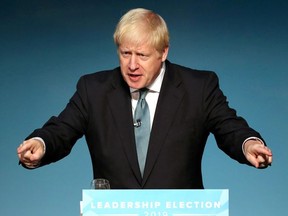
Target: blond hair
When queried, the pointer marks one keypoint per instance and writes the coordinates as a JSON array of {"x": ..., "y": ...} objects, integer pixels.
[{"x": 140, "y": 26}]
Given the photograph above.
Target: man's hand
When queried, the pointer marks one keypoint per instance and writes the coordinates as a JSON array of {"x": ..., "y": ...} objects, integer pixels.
[
  {"x": 257, "y": 153},
  {"x": 30, "y": 152}
]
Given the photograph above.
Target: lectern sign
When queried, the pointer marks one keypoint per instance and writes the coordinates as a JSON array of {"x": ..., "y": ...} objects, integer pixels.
[{"x": 155, "y": 203}]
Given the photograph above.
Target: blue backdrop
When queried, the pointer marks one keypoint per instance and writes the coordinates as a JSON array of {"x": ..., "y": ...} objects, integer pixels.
[{"x": 45, "y": 46}]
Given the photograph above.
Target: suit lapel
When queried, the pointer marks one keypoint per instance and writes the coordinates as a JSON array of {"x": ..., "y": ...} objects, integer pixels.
[
  {"x": 120, "y": 105},
  {"x": 171, "y": 95}
]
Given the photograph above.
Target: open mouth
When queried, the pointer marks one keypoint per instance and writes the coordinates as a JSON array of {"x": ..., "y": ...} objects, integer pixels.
[{"x": 134, "y": 77}]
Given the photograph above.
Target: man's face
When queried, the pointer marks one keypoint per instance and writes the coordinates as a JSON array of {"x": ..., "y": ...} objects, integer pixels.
[{"x": 140, "y": 64}]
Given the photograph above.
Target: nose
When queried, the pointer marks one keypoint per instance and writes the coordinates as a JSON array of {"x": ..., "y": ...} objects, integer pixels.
[{"x": 133, "y": 64}]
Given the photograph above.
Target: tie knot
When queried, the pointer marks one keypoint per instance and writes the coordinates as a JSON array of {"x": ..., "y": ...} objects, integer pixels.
[{"x": 143, "y": 92}]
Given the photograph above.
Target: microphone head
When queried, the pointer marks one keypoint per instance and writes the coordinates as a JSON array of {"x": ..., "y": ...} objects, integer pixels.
[{"x": 137, "y": 123}]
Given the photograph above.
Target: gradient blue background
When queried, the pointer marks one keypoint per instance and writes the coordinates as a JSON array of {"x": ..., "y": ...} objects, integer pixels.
[{"x": 45, "y": 46}]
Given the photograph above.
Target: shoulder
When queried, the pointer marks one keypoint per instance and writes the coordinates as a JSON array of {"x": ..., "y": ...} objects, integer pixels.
[
  {"x": 100, "y": 79},
  {"x": 100, "y": 76},
  {"x": 188, "y": 75}
]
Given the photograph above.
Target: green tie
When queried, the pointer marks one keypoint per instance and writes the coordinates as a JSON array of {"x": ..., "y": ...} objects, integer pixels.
[{"x": 142, "y": 128}]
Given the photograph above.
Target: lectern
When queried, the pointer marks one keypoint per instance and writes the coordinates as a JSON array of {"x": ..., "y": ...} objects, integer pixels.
[{"x": 155, "y": 202}]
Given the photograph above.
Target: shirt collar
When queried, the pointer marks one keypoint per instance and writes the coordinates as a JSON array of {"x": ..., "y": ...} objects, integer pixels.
[{"x": 156, "y": 85}]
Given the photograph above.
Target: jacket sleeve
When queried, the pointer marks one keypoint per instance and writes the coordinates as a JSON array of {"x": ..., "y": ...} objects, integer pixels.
[
  {"x": 61, "y": 133},
  {"x": 230, "y": 130}
]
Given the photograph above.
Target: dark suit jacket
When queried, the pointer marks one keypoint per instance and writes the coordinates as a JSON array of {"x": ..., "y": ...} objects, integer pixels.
[{"x": 190, "y": 106}]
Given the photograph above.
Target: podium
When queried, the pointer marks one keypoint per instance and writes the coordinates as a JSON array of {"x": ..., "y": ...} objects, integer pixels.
[{"x": 160, "y": 202}]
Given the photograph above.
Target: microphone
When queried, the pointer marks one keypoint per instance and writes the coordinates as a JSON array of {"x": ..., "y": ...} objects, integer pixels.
[{"x": 137, "y": 123}]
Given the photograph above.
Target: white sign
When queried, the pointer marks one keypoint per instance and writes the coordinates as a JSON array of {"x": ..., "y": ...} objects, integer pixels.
[{"x": 155, "y": 203}]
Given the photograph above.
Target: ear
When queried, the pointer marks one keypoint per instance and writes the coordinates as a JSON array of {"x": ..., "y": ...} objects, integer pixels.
[{"x": 165, "y": 54}]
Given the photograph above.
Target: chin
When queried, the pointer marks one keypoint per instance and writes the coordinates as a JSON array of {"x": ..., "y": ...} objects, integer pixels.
[{"x": 135, "y": 85}]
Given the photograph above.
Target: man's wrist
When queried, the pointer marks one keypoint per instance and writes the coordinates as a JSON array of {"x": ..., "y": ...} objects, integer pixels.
[
  {"x": 251, "y": 138},
  {"x": 42, "y": 142}
]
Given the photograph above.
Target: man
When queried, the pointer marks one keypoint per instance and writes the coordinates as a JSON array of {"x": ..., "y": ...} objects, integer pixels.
[{"x": 185, "y": 105}]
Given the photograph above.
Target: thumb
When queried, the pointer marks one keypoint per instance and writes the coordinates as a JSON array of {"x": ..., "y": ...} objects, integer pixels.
[{"x": 25, "y": 146}]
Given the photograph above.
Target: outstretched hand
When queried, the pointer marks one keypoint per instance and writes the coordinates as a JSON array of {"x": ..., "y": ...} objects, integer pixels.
[
  {"x": 30, "y": 152},
  {"x": 258, "y": 154}
]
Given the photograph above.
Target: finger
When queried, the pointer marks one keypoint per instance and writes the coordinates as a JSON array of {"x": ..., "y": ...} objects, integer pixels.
[
  {"x": 31, "y": 164},
  {"x": 33, "y": 155},
  {"x": 25, "y": 156},
  {"x": 262, "y": 166},
  {"x": 259, "y": 161},
  {"x": 268, "y": 151},
  {"x": 29, "y": 159},
  {"x": 28, "y": 145},
  {"x": 261, "y": 158},
  {"x": 270, "y": 159},
  {"x": 25, "y": 146},
  {"x": 264, "y": 161},
  {"x": 264, "y": 151},
  {"x": 253, "y": 160},
  {"x": 36, "y": 156},
  {"x": 266, "y": 155}
]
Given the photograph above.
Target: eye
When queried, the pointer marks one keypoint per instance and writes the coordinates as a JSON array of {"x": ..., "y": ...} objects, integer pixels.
[
  {"x": 125, "y": 54},
  {"x": 143, "y": 56}
]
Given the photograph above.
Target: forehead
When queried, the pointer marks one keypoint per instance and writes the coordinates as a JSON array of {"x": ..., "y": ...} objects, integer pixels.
[{"x": 134, "y": 46}]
